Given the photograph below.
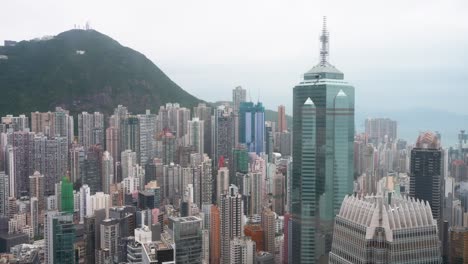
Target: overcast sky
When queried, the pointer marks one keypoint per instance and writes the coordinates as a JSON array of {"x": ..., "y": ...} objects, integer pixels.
[{"x": 399, "y": 54}]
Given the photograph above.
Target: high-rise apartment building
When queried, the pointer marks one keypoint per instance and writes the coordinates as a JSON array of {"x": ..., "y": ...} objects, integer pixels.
[
  {"x": 15, "y": 123},
  {"x": 112, "y": 143},
  {"x": 206, "y": 181},
  {"x": 204, "y": 113},
  {"x": 323, "y": 136},
  {"x": 426, "y": 180},
  {"x": 77, "y": 158},
  {"x": 196, "y": 135},
  {"x": 380, "y": 129},
  {"x": 90, "y": 129},
  {"x": 239, "y": 95},
  {"x": 130, "y": 135},
  {"x": 269, "y": 231},
  {"x": 107, "y": 172},
  {"x": 4, "y": 193},
  {"x": 376, "y": 229},
  {"x": 147, "y": 136},
  {"x": 37, "y": 189},
  {"x": 223, "y": 138},
  {"x": 231, "y": 220},
  {"x": 215, "y": 239},
  {"x": 242, "y": 251},
  {"x": 222, "y": 183},
  {"x": 128, "y": 161}
]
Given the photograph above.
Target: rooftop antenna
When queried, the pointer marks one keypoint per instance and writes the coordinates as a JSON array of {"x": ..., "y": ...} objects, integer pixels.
[{"x": 324, "y": 39}]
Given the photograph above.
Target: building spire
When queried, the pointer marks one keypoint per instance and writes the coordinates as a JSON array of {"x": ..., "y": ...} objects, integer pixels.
[{"x": 324, "y": 38}]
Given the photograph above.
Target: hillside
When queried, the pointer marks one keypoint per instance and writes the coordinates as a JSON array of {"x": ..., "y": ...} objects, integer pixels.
[{"x": 82, "y": 70}]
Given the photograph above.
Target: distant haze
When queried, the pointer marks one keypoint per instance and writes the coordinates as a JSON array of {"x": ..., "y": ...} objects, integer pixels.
[{"x": 398, "y": 54}]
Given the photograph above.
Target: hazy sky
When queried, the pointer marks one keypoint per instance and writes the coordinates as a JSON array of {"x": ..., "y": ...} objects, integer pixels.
[{"x": 399, "y": 54}]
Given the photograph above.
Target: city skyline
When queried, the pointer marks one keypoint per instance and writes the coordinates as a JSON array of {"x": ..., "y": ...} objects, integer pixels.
[
  {"x": 114, "y": 162},
  {"x": 251, "y": 51}
]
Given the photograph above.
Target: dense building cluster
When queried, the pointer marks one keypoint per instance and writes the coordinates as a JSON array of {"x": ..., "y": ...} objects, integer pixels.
[{"x": 221, "y": 184}]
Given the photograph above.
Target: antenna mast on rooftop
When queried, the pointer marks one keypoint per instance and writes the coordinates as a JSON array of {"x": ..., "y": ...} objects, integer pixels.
[{"x": 324, "y": 40}]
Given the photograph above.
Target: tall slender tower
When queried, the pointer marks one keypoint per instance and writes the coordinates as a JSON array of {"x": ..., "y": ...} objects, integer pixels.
[
  {"x": 231, "y": 220},
  {"x": 282, "y": 125},
  {"x": 323, "y": 135}
]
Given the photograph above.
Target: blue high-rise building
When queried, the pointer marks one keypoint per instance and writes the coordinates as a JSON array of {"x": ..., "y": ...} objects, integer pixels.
[
  {"x": 323, "y": 135},
  {"x": 252, "y": 126}
]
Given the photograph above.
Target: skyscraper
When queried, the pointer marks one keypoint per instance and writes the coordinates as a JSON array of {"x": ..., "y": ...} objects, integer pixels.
[
  {"x": 187, "y": 237},
  {"x": 112, "y": 142},
  {"x": 252, "y": 126},
  {"x": 242, "y": 250},
  {"x": 239, "y": 95},
  {"x": 90, "y": 129},
  {"x": 93, "y": 168},
  {"x": 196, "y": 135},
  {"x": 268, "y": 225},
  {"x": 130, "y": 135},
  {"x": 215, "y": 228},
  {"x": 4, "y": 193},
  {"x": 323, "y": 137},
  {"x": 426, "y": 174},
  {"x": 37, "y": 189},
  {"x": 59, "y": 238},
  {"x": 147, "y": 136},
  {"x": 377, "y": 129},
  {"x": 223, "y": 138},
  {"x": 203, "y": 112},
  {"x": 379, "y": 229},
  {"x": 231, "y": 220},
  {"x": 282, "y": 125},
  {"x": 107, "y": 172}
]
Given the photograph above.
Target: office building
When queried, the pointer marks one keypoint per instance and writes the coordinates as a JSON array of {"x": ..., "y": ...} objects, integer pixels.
[
  {"x": 377, "y": 229},
  {"x": 187, "y": 237},
  {"x": 252, "y": 126},
  {"x": 59, "y": 238},
  {"x": 93, "y": 168},
  {"x": 426, "y": 180},
  {"x": 458, "y": 245},
  {"x": 323, "y": 118}
]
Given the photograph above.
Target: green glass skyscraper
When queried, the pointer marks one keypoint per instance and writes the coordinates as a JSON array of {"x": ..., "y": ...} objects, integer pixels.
[{"x": 323, "y": 135}]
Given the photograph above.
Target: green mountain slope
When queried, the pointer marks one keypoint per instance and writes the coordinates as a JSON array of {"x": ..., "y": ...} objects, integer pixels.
[{"x": 42, "y": 74}]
